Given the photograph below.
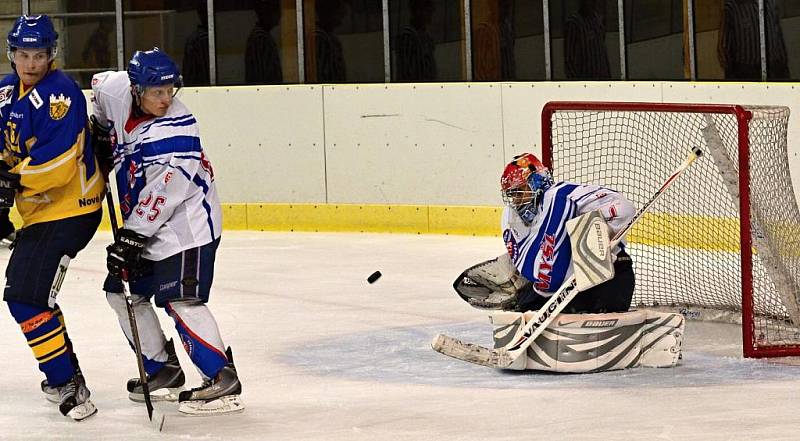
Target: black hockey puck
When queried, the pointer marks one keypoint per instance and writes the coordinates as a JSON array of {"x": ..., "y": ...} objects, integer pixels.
[{"x": 374, "y": 276}]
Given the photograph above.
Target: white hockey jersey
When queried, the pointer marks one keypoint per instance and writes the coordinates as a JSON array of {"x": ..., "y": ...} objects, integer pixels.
[
  {"x": 541, "y": 251},
  {"x": 164, "y": 180}
]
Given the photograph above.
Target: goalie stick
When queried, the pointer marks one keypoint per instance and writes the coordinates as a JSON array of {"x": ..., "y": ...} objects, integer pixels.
[
  {"x": 156, "y": 417},
  {"x": 505, "y": 356}
]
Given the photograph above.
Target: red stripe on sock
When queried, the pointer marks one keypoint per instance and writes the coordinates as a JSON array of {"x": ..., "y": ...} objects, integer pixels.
[{"x": 177, "y": 318}]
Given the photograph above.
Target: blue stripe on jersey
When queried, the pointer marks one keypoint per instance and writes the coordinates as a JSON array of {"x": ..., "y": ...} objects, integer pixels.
[
  {"x": 189, "y": 157},
  {"x": 593, "y": 192},
  {"x": 174, "y": 144},
  {"x": 553, "y": 225},
  {"x": 163, "y": 120},
  {"x": 166, "y": 164},
  {"x": 187, "y": 122},
  {"x": 202, "y": 184},
  {"x": 587, "y": 195}
]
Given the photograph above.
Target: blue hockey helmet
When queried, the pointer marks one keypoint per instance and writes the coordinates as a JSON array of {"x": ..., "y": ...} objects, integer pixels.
[
  {"x": 153, "y": 68},
  {"x": 524, "y": 181},
  {"x": 32, "y": 32}
]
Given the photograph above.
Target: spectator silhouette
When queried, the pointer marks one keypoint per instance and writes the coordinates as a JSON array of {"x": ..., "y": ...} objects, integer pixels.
[
  {"x": 262, "y": 62},
  {"x": 195, "y": 52},
  {"x": 494, "y": 44},
  {"x": 585, "y": 53},
  {"x": 508, "y": 63},
  {"x": 415, "y": 47},
  {"x": 97, "y": 52},
  {"x": 739, "y": 45},
  {"x": 329, "y": 56}
]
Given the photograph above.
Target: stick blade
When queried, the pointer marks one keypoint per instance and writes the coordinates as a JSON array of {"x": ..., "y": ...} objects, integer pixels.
[{"x": 469, "y": 352}]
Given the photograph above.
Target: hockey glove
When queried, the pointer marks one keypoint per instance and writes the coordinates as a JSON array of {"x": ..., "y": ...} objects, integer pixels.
[
  {"x": 529, "y": 300},
  {"x": 103, "y": 144},
  {"x": 125, "y": 255},
  {"x": 9, "y": 184}
]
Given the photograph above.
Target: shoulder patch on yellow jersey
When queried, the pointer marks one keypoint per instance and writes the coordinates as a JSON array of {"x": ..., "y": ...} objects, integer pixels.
[
  {"x": 59, "y": 106},
  {"x": 35, "y": 98},
  {"x": 6, "y": 94}
]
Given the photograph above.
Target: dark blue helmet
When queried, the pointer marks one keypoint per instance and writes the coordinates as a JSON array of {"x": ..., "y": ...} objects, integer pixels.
[
  {"x": 32, "y": 32},
  {"x": 153, "y": 68}
]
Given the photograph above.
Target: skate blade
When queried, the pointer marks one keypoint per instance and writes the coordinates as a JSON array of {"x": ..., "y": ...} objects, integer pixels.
[
  {"x": 219, "y": 406},
  {"x": 170, "y": 394},
  {"x": 82, "y": 411},
  {"x": 53, "y": 398}
]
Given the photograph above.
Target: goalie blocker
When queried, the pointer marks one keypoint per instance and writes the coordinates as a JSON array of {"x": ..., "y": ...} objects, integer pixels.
[{"x": 582, "y": 343}]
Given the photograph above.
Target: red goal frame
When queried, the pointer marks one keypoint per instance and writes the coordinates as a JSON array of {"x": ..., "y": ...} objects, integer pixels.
[{"x": 750, "y": 346}]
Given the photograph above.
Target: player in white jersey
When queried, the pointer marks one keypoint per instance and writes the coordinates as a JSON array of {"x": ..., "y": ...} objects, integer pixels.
[
  {"x": 171, "y": 229},
  {"x": 534, "y": 230}
]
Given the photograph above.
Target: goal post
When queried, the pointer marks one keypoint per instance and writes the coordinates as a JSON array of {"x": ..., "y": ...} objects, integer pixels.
[{"x": 725, "y": 243}]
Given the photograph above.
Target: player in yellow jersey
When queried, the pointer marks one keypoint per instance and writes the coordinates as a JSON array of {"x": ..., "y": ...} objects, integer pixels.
[{"x": 49, "y": 170}]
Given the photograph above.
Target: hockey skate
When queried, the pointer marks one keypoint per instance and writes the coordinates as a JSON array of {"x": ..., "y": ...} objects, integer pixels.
[
  {"x": 218, "y": 395},
  {"x": 51, "y": 393},
  {"x": 74, "y": 399},
  {"x": 9, "y": 240},
  {"x": 165, "y": 384}
]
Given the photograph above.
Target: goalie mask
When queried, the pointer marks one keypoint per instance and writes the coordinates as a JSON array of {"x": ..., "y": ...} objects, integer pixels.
[{"x": 523, "y": 183}]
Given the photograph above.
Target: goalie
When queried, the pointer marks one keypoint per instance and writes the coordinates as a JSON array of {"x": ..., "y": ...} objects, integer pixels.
[
  {"x": 539, "y": 257},
  {"x": 544, "y": 231}
]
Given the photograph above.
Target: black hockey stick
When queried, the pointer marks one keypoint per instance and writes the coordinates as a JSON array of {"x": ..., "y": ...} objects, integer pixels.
[
  {"x": 156, "y": 417},
  {"x": 504, "y": 357}
]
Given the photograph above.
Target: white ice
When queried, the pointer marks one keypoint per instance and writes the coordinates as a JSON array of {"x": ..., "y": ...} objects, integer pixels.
[{"x": 323, "y": 355}]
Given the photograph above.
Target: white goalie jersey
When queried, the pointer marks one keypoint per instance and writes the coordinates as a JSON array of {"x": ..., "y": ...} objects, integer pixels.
[
  {"x": 541, "y": 251},
  {"x": 164, "y": 180}
]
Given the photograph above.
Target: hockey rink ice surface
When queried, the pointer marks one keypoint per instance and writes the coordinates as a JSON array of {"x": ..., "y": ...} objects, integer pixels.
[{"x": 323, "y": 355}]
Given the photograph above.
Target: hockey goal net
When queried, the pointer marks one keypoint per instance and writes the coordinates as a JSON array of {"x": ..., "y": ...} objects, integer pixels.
[{"x": 724, "y": 242}]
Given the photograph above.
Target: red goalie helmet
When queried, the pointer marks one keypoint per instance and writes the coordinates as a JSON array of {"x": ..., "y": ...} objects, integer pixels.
[
  {"x": 519, "y": 169},
  {"x": 524, "y": 181}
]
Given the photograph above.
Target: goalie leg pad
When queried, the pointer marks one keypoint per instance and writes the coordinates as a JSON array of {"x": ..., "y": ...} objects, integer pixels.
[
  {"x": 662, "y": 338},
  {"x": 507, "y": 329},
  {"x": 582, "y": 343}
]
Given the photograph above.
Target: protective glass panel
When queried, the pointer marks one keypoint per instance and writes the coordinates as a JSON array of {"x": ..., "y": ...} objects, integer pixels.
[
  {"x": 427, "y": 40},
  {"x": 87, "y": 38},
  {"x": 507, "y": 40},
  {"x": 256, "y": 41},
  {"x": 584, "y": 38},
  {"x": 8, "y": 12},
  {"x": 177, "y": 27},
  {"x": 654, "y": 27},
  {"x": 343, "y": 41}
]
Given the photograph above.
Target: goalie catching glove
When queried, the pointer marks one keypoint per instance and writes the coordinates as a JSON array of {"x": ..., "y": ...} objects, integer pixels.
[
  {"x": 493, "y": 284},
  {"x": 125, "y": 255}
]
